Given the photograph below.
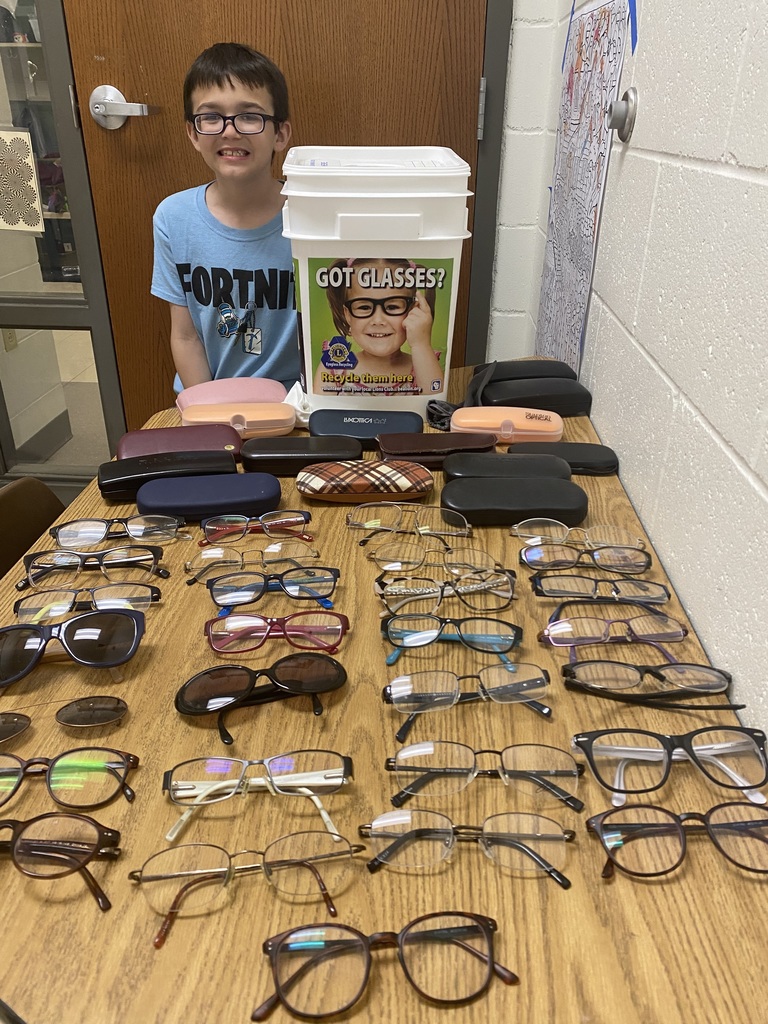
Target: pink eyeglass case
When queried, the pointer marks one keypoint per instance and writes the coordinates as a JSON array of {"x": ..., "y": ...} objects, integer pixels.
[
  {"x": 231, "y": 389},
  {"x": 249, "y": 419}
]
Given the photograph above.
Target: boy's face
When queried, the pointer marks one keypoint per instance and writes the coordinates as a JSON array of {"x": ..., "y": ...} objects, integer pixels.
[
  {"x": 232, "y": 155},
  {"x": 380, "y": 334}
]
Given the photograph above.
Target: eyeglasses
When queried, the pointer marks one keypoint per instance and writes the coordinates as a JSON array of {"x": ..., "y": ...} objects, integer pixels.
[
  {"x": 638, "y": 761},
  {"x": 435, "y": 690},
  {"x": 183, "y": 879},
  {"x": 647, "y": 841},
  {"x": 612, "y": 558},
  {"x": 55, "y": 604},
  {"x": 485, "y": 590},
  {"x": 239, "y": 632},
  {"x": 246, "y": 123},
  {"x": 208, "y": 780},
  {"x": 86, "y": 777},
  {"x": 653, "y": 626},
  {"x": 590, "y": 588},
  {"x": 219, "y": 560},
  {"x": 272, "y": 524},
  {"x": 321, "y": 970},
  {"x": 419, "y": 840},
  {"x": 478, "y": 634},
  {"x": 95, "y": 639},
  {"x": 551, "y": 531},
  {"x": 440, "y": 768},
  {"x": 394, "y": 305},
  {"x": 226, "y": 687},
  {"x": 426, "y": 520},
  {"x": 84, "y": 533},
  {"x": 131, "y": 564},
  {"x": 612, "y": 679},
  {"x": 409, "y": 556},
  {"x": 304, "y": 583},
  {"x": 82, "y": 713},
  {"x": 58, "y": 844}
]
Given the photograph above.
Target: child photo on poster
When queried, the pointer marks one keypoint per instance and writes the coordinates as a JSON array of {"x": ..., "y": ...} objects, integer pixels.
[{"x": 379, "y": 325}]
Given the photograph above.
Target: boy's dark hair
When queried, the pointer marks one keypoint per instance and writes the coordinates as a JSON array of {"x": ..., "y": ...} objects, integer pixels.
[
  {"x": 337, "y": 294},
  {"x": 223, "y": 62}
]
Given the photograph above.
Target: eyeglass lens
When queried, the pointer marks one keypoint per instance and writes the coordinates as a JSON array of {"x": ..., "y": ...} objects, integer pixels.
[{"x": 394, "y": 305}]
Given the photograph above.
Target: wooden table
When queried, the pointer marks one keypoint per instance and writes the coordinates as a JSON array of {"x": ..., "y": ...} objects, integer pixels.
[{"x": 687, "y": 947}]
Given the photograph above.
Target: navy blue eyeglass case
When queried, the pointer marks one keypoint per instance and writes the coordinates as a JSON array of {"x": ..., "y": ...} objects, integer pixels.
[{"x": 197, "y": 497}]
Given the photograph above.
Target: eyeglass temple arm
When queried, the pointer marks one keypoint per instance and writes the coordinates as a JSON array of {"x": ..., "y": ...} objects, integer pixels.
[
  {"x": 290, "y": 863},
  {"x": 57, "y": 853},
  {"x": 516, "y": 843}
]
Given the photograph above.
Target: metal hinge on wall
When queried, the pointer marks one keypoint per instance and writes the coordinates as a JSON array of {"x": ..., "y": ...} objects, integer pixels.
[{"x": 481, "y": 110}]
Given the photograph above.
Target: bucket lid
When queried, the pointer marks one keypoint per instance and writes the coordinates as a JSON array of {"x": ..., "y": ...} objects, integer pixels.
[{"x": 375, "y": 169}]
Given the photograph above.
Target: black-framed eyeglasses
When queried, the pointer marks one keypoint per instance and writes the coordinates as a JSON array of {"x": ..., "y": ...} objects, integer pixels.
[
  {"x": 133, "y": 563},
  {"x": 568, "y": 585},
  {"x": 656, "y": 686},
  {"x": 423, "y": 840},
  {"x": 61, "y": 843},
  {"x": 393, "y": 305},
  {"x": 547, "y": 775},
  {"x": 647, "y": 841},
  {"x": 84, "y": 533},
  {"x": 301, "y": 583},
  {"x": 183, "y": 879},
  {"x": 246, "y": 123},
  {"x": 225, "y": 687},
  {"x": 406, "y": 632},
  {"x": 639, "y": 761},
  {"x": 437, "y": 690},
  {"x": 483, "y": 590},
  {"x": 321, "y": 970},
  {"x": 95, "y": 639},
  {"x": 85, "y": 777},
  {"x": 55, "y": 604},
  {"x": 613, "y": 558},
  {"x": 277, "y": 524}
]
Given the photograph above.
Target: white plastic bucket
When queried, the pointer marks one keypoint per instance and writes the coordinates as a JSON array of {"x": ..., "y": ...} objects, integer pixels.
[{"x": 376, "y": 235}]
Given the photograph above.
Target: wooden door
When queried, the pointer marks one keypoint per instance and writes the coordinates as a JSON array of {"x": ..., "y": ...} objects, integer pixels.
[{"x": 385, "y": 72}]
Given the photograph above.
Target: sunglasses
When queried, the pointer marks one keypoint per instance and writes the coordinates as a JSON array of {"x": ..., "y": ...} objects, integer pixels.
[
  {"x": 82, "y": 713},
  {"x": 229, "y": 686},
  {"x": 95, "y": 639}
]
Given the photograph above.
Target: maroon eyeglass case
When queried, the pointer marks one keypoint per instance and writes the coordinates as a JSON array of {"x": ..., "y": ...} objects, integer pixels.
[{"x": 211, "y": 437}]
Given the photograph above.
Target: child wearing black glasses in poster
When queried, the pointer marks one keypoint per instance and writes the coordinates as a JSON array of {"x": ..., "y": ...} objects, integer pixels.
[{"x": 378, "y": 306}]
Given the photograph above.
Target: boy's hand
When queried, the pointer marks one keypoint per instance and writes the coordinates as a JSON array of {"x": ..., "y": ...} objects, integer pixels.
[{"x": 418, "y": 323}]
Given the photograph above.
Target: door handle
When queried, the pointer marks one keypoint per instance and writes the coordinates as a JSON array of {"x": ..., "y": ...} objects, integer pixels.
[{"x": 109, "y": 108}]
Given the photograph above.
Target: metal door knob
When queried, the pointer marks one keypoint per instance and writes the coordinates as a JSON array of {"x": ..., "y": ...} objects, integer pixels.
[{"x": 109, "y": 108}]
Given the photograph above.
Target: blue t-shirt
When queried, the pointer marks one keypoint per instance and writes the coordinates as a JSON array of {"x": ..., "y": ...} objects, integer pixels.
[{"x": 237, "y": 285}]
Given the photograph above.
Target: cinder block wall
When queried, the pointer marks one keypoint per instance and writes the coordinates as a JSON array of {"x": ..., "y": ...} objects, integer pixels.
[{"x": 676, "y": 353}]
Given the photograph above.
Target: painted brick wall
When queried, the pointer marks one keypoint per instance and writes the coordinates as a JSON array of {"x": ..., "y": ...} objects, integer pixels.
[{"x": 676, "y": 353}]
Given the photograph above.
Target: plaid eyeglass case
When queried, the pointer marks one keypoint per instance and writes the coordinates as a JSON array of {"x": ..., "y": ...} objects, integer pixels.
[{"x": 361, "y": 481}]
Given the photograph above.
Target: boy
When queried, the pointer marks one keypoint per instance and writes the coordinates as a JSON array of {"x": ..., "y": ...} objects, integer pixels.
[{"x": 220, "y": 258}]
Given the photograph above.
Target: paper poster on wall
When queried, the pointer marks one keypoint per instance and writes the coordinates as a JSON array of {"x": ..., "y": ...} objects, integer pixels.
[
  {"x": 377, "y": 326},
  {"x": 592, "y": 66},
  {"x": 20, "y": 208}
]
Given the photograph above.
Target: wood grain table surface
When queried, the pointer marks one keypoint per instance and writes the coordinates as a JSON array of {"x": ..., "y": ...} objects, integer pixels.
[{"x": 686, "y": 947}]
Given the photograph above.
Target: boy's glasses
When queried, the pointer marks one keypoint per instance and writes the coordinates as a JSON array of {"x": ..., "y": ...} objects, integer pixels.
[
  {"x": 229, "y": 686},
  {"x": 644, "y": 840},
  {"x": 183, "y": 879},
  {"x": 290, "y": 523},
  {"x": 638, "y": 761},
  {"x": 55, "y": 604},
  {"x": 209, "y": 780},
  {"x": 134, "y": 563},
  {"x": 95, "y": 639},
  {"x": 84, "y": 533},
  {"x": 422, "y": 840},
  {"x": 440, "y": 768},
  {"x": 494, "y": 636},
  {"x": 57, "y": 844},
  {"x": 247, "y": 123},
  {"x": 321, "y": 970},
  {"x": 304, "y": 583},
  {"x": 239, "y": 632},
  {"x": 656, "y": 686},
  {"x": 591, "y": 588},
  {"x": 395, "y": 305},
  {"x": 86, "y": 777}
]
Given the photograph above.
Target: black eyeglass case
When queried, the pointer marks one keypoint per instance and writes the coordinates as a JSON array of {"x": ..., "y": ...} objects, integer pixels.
[
  {"x": 525, "y": 369},
  {"x": 287, "y": 456},
  {"x": 585, "y": 458},
  {"x": 121, "y": 480},
  {"x": 198, "y": 497},
  {"x": 500, "y": 466},
  {"x": 497, "y": 502},
  {"x": 364, "y": 424},
  {"x": 555, "y": 394}
]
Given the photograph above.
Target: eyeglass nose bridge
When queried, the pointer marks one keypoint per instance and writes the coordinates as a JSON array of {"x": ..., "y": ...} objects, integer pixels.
[
  {"x": 489, "y": 773},
  {"x": 382, "y": 940}
]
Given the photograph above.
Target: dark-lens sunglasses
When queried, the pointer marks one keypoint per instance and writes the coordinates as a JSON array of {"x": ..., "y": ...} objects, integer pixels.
[
  {"x": 81, "y": 713},
  {"x": 95, "y": 639},
  {"x": 225, "y": 687}
]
